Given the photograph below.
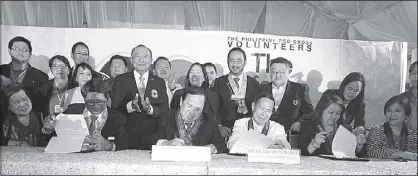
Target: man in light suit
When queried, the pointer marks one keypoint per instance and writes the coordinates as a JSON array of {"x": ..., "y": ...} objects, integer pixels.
[
  {"x": 236, "y": 91},
  {"x": 291, "y": 99},
  {"x": 142, "y": 97}
]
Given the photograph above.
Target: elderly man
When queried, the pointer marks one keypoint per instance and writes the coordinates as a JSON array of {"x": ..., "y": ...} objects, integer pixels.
[
  {"x": 189, "y": 126},
  {"x": 19, "y": 70},
  {"x": 291, "y": 99},
  {"x": 236, "y": 91},
  {"x": 162, "y": 68},
  {"x": 263, "y": 108},
  {"x": 411, "y": 94},
  {"x": 142, "y": 97},
  {"x": 106, "y": 125},
  {"x": 80, "y": 53}
]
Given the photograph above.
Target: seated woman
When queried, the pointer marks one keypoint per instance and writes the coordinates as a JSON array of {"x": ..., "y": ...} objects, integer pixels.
[
  {"x": 263, "y": 107},
  {"x": 51, "y": 96},
  {"x": 196, "y": 76},
  {"x": 82, "y": 73},
  {"x": 317, "y": 133},
  {"x": 393, "y": 139},
  {"x": 21, "y": 126}
]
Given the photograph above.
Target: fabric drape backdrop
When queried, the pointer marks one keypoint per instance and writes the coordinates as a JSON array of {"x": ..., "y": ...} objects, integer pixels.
[{"x": 356, "y": 20}]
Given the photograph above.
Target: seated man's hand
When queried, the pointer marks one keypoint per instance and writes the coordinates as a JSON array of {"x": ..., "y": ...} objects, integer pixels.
[
  {"x": 282, "y": 142},
  {"x": 96, "y": 142},
  {"x": 225, "y": 131},
  {"x": 295, "y": 127},
  {"x": 213, "y": 148},
  {"x": 174, "y": 142}
]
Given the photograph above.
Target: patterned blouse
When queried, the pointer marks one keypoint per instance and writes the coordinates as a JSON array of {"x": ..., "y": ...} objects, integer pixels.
[{"x": 377, "y": 146}]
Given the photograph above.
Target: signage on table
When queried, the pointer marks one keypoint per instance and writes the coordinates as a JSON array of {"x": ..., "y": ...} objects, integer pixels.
[
  {"x": 181, "y": 153},
  {"x": 284, "y": 156}
]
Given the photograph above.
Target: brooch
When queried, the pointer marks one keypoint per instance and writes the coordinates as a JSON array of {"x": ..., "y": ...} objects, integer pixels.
[
  {"x": 295, "y": 102},
  {"x": 154, "y": 93}
]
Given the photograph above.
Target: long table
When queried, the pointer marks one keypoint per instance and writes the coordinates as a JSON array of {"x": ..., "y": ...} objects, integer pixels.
[{"x": 32, "y": 160}]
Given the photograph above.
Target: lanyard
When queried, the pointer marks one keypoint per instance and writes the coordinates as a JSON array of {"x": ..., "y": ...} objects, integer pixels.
[{"x": 16, "y": 79}]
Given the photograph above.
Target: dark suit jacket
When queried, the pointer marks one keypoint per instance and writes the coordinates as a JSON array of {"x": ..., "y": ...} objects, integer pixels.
[
  {"x": 115, "y": 124},
  {"x": 288, "y": 112},
  {"x": 32, "y": 79},
  {"x": 140, "y": 125},
  {"x": 208, "y": 133},
  {"x": 227, "y": 107},
  {"x": 44, "y": 93},
  {"x": 211, "y": 106}
]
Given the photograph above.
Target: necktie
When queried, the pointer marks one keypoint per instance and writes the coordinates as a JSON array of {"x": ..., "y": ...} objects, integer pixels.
[
  {"x": 236, "y": 79},
  {"x": 188, "y": 128},
  {"x": 141, "y": 88},
  {"x": 91, "y": 126},
  {"x": 277, "y": 97}
]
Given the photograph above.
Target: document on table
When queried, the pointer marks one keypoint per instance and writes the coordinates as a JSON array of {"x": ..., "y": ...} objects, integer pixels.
[
  {"x": 251, "y": 140},
  {"x": 344, "y": 143},
  {"x": 71, "y": 130}
]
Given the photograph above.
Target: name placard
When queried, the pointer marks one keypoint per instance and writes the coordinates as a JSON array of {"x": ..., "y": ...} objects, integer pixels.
[
  {"x": 181, "y": 153},
  {"x": 284, "y": 156}
]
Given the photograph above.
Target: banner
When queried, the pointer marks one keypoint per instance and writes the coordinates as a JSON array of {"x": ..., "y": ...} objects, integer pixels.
[{"x": 320, "y": 63}]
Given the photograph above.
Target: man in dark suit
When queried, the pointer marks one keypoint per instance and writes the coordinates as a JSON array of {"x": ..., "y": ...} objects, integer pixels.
[
  {"x": 291, "y": 99},
  {"x": 106, "y": 125},
  {"x": 189, "y": 126},
  {"x": 142, "y": 97},
  {"x": 19, "y": 70},
  {"x": 236, "y": 91}
]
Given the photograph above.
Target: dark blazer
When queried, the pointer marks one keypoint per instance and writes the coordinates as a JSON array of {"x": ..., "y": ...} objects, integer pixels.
[
  {"x": 32, "y": 79},
  {"x": 43, "y": 95},
  {"x": 227, "y": 107},
  {"x": 354, "y": 111},
  {"x": 211, "y": 106},
  {"x": 114, "y": 125},
  {"x": 140, "y": 126},
  {"x": 208, "y": 133},
  {"x": 290, "y": 111}
]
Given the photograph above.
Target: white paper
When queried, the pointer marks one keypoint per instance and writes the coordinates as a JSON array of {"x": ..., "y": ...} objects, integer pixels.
[
  {"x": 251, "y": 140},
  {"x": 71, "y": 131},
  {"x": 66, "y": 144},
  {"x": 344, "y": 143}
]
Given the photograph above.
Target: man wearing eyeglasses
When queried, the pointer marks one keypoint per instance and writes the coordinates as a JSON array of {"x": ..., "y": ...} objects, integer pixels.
[
  {"x": 292, "y": 99},
  {"x": 106, "y": 126},
  {"x": 19, "y": 70},
  {"x": 142, "y": 97},
  {"x": 80, "y": 53}
]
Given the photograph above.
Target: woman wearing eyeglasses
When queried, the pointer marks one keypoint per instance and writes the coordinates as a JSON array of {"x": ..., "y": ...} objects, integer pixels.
[{"x": 51, "y": 96}]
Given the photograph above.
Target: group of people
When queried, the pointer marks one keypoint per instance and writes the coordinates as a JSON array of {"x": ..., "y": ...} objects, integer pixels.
[{"x": 144, "y": 107}]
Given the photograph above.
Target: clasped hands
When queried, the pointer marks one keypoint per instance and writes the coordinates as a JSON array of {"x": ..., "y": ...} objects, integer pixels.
[
  {"x": 146, "y": 104},
  {"x": 96, "y": 142},
  {"x": 180, "y": 142}
]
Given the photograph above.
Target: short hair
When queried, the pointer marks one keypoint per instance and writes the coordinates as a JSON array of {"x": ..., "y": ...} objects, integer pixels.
[
  {"x": 161, "y": 58},
  {"x": 210, "y": 64},
  {"x": 77, "y": 44},
  {"x": 94, "y": 85},
  {"x": 193, "y": 90},
  {"x": 329, "y": 97},
  {"x": 239, "y": 50},
  {"x": 141, "y": 45},
  {"x": 20, "y": 39},
  {"x": 60, "y": 58},
  {"x": 281, "y": 60},
  {"x": 12, "y": 89},
  {"x": 118, "y": 57},
  {"x": 84, "y": 66},
  {"x": 414, "y": 64},
  {"x": 402, "y": 101},
  {"x": 205, "y": 83},
  {"x": 264, "y": 95},
  {"x": 354, "y": 76}
]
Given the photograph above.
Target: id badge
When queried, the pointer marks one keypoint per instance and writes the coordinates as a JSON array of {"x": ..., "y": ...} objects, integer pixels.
[{"x": 58, "y": 109}]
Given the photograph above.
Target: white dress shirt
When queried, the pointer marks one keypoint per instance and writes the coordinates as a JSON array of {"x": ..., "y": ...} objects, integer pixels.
[
  {"x": 278, "y": 93},
  {"x": 241, "y": 77},
  {"x": 275, "y": 132},
  {"x": 136, "y": 76}
]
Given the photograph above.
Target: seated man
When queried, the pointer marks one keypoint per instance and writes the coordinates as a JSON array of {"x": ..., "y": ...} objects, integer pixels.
[
  {"x": 188, "y": 126},
  {"x": 263, "y": 107},
  {"x": 104, "y": 123}
]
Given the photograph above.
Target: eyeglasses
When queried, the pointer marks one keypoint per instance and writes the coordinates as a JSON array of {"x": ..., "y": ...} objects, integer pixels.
[
  {"x": 59, "y": 66},
  {"x": 98, "y": 102},
  {"x": 25, "y": 50},
  {"x": 82, "y": 54}
]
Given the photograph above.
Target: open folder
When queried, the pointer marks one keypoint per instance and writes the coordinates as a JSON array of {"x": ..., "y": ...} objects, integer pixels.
[{"x": 71, "y": 130}]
